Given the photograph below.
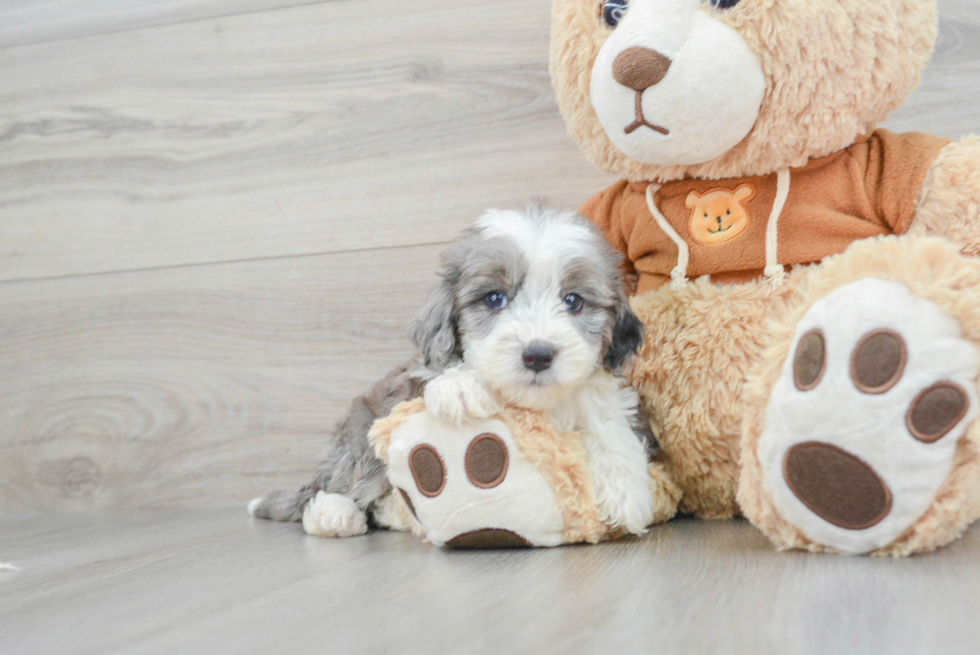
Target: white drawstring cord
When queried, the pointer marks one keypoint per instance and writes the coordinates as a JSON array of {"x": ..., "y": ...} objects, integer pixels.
[
  {"x": 678, "y": 276},
  {"x": 774, "y": 271}
]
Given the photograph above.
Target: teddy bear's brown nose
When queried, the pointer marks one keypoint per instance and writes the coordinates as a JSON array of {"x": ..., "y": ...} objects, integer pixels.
[{"x": 640, "y": 68}]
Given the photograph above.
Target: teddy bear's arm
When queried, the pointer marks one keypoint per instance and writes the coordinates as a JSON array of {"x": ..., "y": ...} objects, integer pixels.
[
  {"x": 949, "y": 204},
  {"x": 605, "y": 209}
]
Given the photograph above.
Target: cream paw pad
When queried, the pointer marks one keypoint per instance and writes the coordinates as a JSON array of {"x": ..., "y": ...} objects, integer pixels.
[{"x": 506, "y": 481}]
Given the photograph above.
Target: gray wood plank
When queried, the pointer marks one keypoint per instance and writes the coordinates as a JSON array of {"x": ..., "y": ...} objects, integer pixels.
[
  {"x": 294, "y": 131},
  {"x": 219, "y": 582},
  {"x": 201, "y": 386},
  {"x": 312, "y": 129},
  {"x": 43, "y": 21},
  {"x": 945, "y": 102}
]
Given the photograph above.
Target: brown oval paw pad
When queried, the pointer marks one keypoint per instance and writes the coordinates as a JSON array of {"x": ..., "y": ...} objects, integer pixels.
[
  {"x": 427, "y": 469},
  {"x": 878, "y": 361},
  {"x": 936, "y": 411},
  {"x": 408, "y": 502},
  {"x": 486, "y": 461},
  {"x": 836, "y": 486},
  {"x": 489, "y": 538},
  {"x": 810, "y": 361}
]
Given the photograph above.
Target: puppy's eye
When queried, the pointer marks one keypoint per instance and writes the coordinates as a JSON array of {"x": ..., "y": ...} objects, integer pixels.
[
  {"x": 723, "y": 4},
  {"x": 496, "y": 300},
  {"x": 573, "y": 303},
  {"x": 613, "y": 10}
]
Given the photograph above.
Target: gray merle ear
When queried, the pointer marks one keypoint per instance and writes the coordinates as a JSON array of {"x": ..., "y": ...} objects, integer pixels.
[
  {"x": 433, "y": 330},
  {"x": 627, "y": 337}
]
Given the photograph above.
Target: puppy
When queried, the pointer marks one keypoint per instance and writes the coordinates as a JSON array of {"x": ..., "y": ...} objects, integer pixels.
[{"x": 530, "y": 310}]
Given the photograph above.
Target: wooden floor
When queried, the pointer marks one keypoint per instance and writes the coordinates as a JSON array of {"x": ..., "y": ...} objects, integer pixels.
[{"x": 217, "y": 581}]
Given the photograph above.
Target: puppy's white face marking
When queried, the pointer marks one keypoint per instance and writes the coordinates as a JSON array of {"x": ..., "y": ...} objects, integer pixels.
[
  {"x": 539, "y": 265},
  {"x": 673, "y": 85}
]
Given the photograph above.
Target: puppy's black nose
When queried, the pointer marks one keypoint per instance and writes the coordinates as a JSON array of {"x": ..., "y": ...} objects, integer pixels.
[{"x": 538, "y": 356}]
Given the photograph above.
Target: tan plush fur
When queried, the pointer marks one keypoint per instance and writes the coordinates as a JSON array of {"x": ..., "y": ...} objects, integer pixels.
[
  {"x": 391, "y": 510},
  {"x": 931, "y": 268},
  {"x": 666, "y": 493},
  {"x": 950, "y": 202},
  {"x": 562, "y": 462},
  {"x": 808, "y": 68},
  {"x": 693, "y": 394},
  {"x": 380, "y": 432}
]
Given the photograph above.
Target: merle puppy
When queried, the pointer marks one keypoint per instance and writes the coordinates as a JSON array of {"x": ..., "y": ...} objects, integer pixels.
[{"x": 530, "y": 310}]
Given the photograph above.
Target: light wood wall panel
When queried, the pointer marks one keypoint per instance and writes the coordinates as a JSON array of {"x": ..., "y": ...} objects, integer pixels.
[
  {"x": 217, "y": 218},
  {"x": 321, "y": 128},
  {"x": 24, "y": 22},
  {"x": 194, "y": 385}
]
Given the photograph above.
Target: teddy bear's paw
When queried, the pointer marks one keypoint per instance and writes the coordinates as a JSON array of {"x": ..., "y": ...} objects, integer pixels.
[
  {"x": 862, "y": 425},
  {"x": 333, "y": 515},
  {"x": 470, "y": 486},
  {"x": 457, "y": 396}
]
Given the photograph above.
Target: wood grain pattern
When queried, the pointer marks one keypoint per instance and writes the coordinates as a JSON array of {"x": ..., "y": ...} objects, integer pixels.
[
  {"x": 296, "y": 131},
  {"x": 219, "y": 582},
  {"x": 216, "y": 219},
  {"x": 43, "y": 21},
  {"x": 195, "y": 386},
  {"x": 945, "y": 102}
]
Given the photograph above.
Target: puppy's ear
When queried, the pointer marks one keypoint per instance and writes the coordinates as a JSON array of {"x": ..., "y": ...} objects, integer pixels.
[
  {"x": 627, "y": 337},
  {"x": 433, "y": 330}
]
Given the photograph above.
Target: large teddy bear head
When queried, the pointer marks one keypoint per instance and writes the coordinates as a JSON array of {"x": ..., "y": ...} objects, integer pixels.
[{"x": 669, "y": 89}]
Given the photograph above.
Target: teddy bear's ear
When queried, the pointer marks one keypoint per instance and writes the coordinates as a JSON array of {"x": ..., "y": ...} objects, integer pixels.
[
  {"x": 692, "y": 200},
  {"x": 745, "y": 192}
]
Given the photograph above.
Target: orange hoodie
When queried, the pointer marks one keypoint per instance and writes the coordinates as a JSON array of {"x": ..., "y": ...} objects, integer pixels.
[{"x": 868, "y": 189}]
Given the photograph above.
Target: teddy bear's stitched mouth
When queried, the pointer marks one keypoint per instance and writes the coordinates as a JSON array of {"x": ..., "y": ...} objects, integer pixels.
[
  {"x": 641, "y": 121},
  {"x": 719, "y": 230}
]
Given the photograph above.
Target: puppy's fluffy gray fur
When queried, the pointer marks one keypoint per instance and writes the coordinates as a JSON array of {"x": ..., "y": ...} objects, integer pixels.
[{"x": 483, "y": 259}]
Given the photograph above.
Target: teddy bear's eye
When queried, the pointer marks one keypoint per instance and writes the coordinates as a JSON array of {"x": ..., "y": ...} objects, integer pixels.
[
  {"x": 723, "y": 4},
  {"x": 613, "y": 10}
]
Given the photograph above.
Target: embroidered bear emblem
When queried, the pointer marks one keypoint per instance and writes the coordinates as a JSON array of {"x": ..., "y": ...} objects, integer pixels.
[{"x": 719, "y": 215}]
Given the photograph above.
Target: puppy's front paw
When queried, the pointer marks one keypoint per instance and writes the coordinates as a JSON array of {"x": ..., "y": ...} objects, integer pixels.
[
  {"x": 623, "y": 502},
  {"x": 457, "y": 395},
  {"x": 333, "y": 515}
]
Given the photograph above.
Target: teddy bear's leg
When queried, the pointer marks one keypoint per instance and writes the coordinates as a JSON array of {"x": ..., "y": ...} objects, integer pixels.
[
  {"x": 700, "y": 343},
  {"x": 861, "y": 434}
]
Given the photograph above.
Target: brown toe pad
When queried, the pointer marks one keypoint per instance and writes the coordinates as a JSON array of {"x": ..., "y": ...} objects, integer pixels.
[
  {"x": 489, "y": 538},
  {"x": 836, "y": 486}
]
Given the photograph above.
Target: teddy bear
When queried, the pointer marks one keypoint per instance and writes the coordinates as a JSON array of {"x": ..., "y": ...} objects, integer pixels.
[
  {"x": 807, "y": 280},
  {"x": 507, "y": 481}
]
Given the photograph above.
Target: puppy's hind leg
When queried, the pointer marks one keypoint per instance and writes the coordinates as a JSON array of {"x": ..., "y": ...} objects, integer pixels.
[
  {"x": 349, "y": 481},
  {"x": 353, "y": 480}
]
